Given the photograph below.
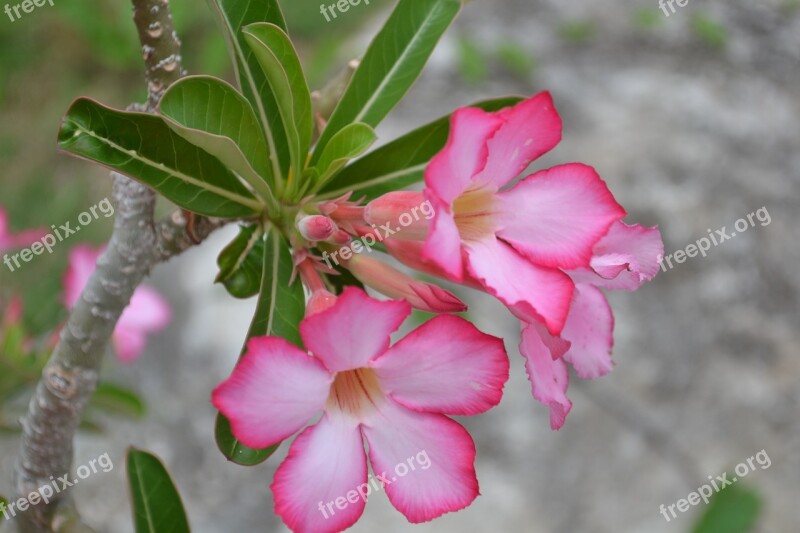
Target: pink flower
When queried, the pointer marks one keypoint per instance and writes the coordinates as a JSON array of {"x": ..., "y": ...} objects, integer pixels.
[
  {"x": 9, "y": 241},
  {"x": 512, "y": 240},
  {"x": 148, "y": 312},
  {"x": 395, "y": 398},
  {"x": 625, "y": 258}
]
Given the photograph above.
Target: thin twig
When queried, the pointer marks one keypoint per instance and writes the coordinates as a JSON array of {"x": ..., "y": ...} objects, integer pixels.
[{"x": 71, "y": 375}]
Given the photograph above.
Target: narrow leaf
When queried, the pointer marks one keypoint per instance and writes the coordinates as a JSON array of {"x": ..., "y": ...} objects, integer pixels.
[
  {"x": 211, "y": 114},
  {"x": 402, "y": 162},
  {"x": 280, "y": 308},
  {"x": 278, "y": 59},
  {"x": 143, "y": 147},
  {"x": 241, "y": 263},
  {"x": 392, "y": 63},
  {"x": 235, "y": 15},
  {"x": 157, "y": 506},
  {"x": 117, "y": 400},
  {"x": 350, "y": 142}
]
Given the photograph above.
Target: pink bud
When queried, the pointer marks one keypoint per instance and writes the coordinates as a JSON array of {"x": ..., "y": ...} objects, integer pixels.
[
  {"x": 316, "y": 227},
  {"x": 406, "y": 213},
  {"x": 321, "y": 299},
  {"x": 396, "y": 284},
  {"x": 341, "y": 237}
]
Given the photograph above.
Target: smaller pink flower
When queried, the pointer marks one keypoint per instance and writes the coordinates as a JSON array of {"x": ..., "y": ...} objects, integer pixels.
[
  {"x": 9, "y": 241},
  {"x": 626, "y": 258},
  {"x": 515, "y": 240},
  {"x": 148, "y": 312},
  {"x": 393, "y": 397}
]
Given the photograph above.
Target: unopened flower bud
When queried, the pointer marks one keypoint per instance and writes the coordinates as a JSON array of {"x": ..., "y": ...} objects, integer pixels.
[{"x": 316, "y": 227}]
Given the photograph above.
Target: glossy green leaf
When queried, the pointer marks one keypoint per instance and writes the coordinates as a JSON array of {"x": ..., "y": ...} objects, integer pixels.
[
  {"x": 235, "y": 451},
  {"x": 735, "y": 509},
  {"x": 400, "y": 163},
  {"x": 280, "y": 308},
  {"x": 276, "y": 55},
  {"x": 117, "y": 400},
  {"x": 392, "y": 63},
  {"x": 157, "y": 506},
  {"x": 143, "y": 147},
  {"x": 241, "y": 263},
  {"x": 211, "y": 114},
  {"x": 235, "y": 15},
  {"x": 350, "y": 142}
]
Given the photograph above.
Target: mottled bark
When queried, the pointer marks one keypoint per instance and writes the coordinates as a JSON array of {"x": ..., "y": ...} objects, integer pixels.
[{"x": 136, "y": 244}]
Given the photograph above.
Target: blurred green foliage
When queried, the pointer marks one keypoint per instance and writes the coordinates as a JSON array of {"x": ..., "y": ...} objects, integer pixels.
[
  {"x": 708, "y": 30},
  {"x": 647, "y": 18},
  {"x": 734, "y": 510},
  {"x": 577, "y": 31}
]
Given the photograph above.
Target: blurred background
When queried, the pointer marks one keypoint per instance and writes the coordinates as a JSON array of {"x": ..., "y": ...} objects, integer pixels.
[{"x": 694, "y": 121}]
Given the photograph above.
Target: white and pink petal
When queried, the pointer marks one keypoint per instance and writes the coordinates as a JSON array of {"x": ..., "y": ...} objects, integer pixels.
[
  {"x": 518, "y": 282},
  {"x": 452, "y": 170},
  {"x": 531, "y": 129},
  {"x": 275, "y": 390},
  {"x": 547, "y": 372},
  {"x": 625, "y": 258},
  {"x": 427, "y": 459},
  {"x": 355, "y": 330},
  {"x": 590, "y": 331},
  {"x": 445, "y": 366},
  {"x": 316, "y": 487},
  {"x": 556, "y": 216}
]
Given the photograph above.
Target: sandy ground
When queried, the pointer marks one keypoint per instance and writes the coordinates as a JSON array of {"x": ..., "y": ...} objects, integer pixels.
[{"x": 689, "y": 138}]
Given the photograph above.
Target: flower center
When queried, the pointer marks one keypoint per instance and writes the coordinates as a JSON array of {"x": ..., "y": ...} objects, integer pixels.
[
  {"x": 474, "y": 212},
  {"x": 355, "y": 391}
]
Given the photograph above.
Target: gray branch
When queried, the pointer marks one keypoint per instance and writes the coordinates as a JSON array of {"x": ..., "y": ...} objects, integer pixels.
[{"x": 136, "y": 244}]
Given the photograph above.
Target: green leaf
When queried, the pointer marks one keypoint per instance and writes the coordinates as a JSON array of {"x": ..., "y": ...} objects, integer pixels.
[
  {"x": 735, "y": 509},
  {"x": 280, "y": 308},
  {"x": 211, "y": 114},
  {"x": 157, "y": 506},
  {"x": 276, "y": 55},
  {"x": 577, "y": 31},
  {"x": 471, "y": 60},
  {"x": 241, "y": 263},
  {"x": 401, "y": 162},
  {"x": 234, "y": 15},
  {"x": 142, "y": 146},
  {"x": 712, "y": 32},
  {"x": 351, "y": 141},
  {"x": 516, "y": 58},
  {"x": 117, "y": 400},
  {"x": 234, "y": 450},
  {"x": 391, "y": 64}
]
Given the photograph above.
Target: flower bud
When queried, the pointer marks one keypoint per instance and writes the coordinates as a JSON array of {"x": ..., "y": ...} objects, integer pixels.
[
  {"x": 395, "y": 284},
  {"x": 316, "y": 227},
  {"x": 321, "y": 299},
  {"x": 404, "y": 214}
]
